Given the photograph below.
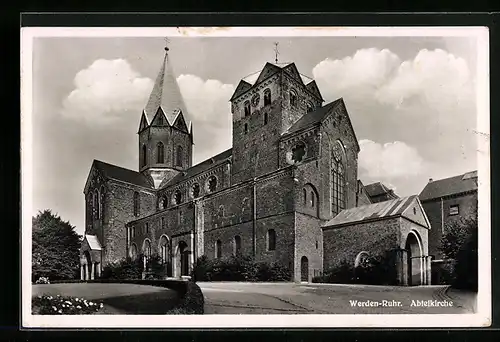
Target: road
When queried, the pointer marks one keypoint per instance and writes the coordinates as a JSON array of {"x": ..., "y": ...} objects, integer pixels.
[{"x": 292, "y": 298}]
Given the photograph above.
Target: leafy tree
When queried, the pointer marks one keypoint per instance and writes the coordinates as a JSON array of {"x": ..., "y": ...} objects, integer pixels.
[
  {"x": 457, "y": 233},
  {"x": 466, "y": 269},
  {"x": 55, "y": 248}
]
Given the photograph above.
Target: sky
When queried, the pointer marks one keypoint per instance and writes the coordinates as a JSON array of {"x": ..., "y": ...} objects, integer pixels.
[{"x": 411, "y": 100}]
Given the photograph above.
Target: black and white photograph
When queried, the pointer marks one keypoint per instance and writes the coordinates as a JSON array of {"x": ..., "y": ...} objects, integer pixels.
[{"x": 255, "y": 177}]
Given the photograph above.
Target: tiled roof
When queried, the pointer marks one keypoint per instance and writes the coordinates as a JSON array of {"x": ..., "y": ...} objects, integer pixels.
[
  {"x": 313, "y": 117},
  {"x": 200, "y": 167},
  {"x": 379, "y": 210},
  {"x": 119, "y": 173},
  {"x": 376, "y": 189},
  {"x": 93, "y": 242},
  {"x": 449, "y": 186}
]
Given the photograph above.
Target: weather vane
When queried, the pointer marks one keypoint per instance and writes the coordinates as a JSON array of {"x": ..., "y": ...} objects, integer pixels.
[
  {"x": 166, "y": 44},
  {"x": 276, "y": 51}
]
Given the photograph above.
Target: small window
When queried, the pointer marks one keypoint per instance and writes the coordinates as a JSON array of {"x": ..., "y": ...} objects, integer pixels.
[
  {"x": 136, "y": 204},
  {"x": 454, "y": 210},
  {"x": 163, "y": 202},
  {"x": 178, "y": 197},
  {"x": 293, "y": 98},
  {"x": 265, "y": 118},
  {"x": 237, "y": 245},
  {"x": 179, "y": 217},
  {"x": 221, "y": 211},
  {"x": 312, "y": 199},
  {"x": 179, "y": 156},
  {"x": 147, "y": 249},
  {"x": 316, "y": 244},
  {"x": 304, "y": 193},
  {"x": 310, "y": 107},
  {"x": 267, "y": 97},
  {"x": 414, "y": 211},
  {"x": 144, "y": 159},
  {"x": 195, "y": 190},
  {"x": 271, "y": 240},
  {"x": 160, "y": 153},
  {"x": 246, "y": 128},
  {"x": 147, "y": 228},
  {"x": 162, "y": 223},
  {"x": 247, "y": 108},
  {"x": 218, "y": 249},
  {"x": 298, "y": 152},
  {"x": 212, "y": 184}
]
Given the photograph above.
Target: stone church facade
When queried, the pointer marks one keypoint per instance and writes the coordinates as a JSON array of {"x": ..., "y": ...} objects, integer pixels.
[{"x": 293, "y": 166}]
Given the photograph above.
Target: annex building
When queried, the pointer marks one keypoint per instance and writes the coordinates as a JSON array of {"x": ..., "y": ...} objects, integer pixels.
[{"x": 286, "y": 191}]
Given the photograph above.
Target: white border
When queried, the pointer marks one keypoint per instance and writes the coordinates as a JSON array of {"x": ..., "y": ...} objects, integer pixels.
[{"x": 481, "y": 318}]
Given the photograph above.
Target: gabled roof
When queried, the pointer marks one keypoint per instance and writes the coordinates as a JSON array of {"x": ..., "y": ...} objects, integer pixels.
[
  {"x": 93, "y": 242},
  {"x": 449, "y": 186},
  {"x": 200, "y": 167},
  {"x": 119, "y": 173},
  {"x": 314, "y": 117},
  {"x": 241, "y": 88},
  {"x": 165, "y": 94},
  {"x": 180, "y": 123},
  {"x": 391, "y": 208},
  {"x": 313, "y": 88},
  {"x": 377, "y": 189}
]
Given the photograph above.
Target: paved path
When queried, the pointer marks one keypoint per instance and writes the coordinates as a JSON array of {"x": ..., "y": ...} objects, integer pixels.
[{"x": 291, "y": 298}]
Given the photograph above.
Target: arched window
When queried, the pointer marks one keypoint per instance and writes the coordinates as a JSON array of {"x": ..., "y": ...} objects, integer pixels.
[
  {"x": 136, "y": 204},
  {"x": 195, "y": 190},
  {"x": 212, "y": 184},
  {"x": 178, "y": 156},
  {"x": 267, "y": 97},
  {"x": 147, "y": 227},
  {"x": 160, "y": 153},
  {"x": 298, "y": 152},
  {"x": 102, "y": 194},
  {"x": 312, "y": 199},
  {"x": 133, "y": 251},
  {"x": 147, "y": 249},
  {"x": 164, "y": 249},
  {"x": 304, "y": 193},
  {"x": 247, "y": 108},
  {"x": 338, "y": 185},
  {"x": 221, "y": 211},
  {"x": 179, "y": 217},
  {"x": 218, "y": 249},
  {"x": 177, "y": 197},
  {"x": 271, "y": 240},
  {"x": 237, "y": 245},
  {"x": 246, "y": 128},
  {"x": 310, "y": 107},
  {"x": 293, "y": 98},
  {"x": 265, "y": 118},
  {"x": 144, "y": 158},
  {"x": 163, "y": 202},
  {"x": 95, "y": 204}
]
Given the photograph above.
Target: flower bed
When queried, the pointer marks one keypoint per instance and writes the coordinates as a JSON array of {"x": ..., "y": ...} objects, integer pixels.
[{"x": 58, "y": 305}]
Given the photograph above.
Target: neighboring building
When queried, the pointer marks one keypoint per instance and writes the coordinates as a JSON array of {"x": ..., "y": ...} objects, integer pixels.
[
  {"x": 378, "y": 192},
  {"x": 399, "y": 226},
  {"x": 446, "y": 200},
  {"x": 293, "y": 165}
]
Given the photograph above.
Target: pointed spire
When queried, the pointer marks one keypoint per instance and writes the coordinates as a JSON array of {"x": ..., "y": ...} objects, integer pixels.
[{"x": 165, "y": 94}]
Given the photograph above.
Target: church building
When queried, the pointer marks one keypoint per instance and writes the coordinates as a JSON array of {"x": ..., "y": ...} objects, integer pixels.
[{"x": 275, "y": 195}]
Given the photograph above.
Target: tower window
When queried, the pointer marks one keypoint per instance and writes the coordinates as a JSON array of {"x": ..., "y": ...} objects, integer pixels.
[
  {"x": 162, "y": 223},
  {"x": 293, "y": 98},
  {"x": 179, "y": 217},
  {"x": 271, "y": 240},
  {"x": 298, "y": 152},
  {"x": 160, "y": 153},
  {"x": 247, "y": 108},
  {"x": 265, "y": 118},
  {"x": 144, "y": 159},
  {"x": 218, "y": 249},
  {"x": 338, "y": 186},
  {"x": 212, "y": 184},
  {"x": 163, "y": 202},
  {"x": 267, "y": 97},
  {"x": 136, "y": 204},
  {"x": 237, "y": 245},
  {"x": 246, "y": 128},
  {"x": 178, "y": 197},
  {"x": 304, "y": 193},
  {"x": 195, "y": 190},
  {"x": 312, "y": 199},
  {"x": 147, "y": 228},
  {"x": 178, "y": 156},
  {"x": 310, "y": 107},
  {"x": 221, "y": 211}
]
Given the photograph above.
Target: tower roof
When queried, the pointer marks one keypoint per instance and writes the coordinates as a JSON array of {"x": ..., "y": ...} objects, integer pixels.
[{"x": 165, "y": 94}]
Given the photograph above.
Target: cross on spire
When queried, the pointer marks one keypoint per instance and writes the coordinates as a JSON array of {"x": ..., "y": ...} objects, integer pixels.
[{"x": 276, "y": 51}]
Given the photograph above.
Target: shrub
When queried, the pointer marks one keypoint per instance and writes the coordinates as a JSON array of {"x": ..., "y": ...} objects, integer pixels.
[
  {"x": 58, "y": 305},
  {"x": 466, "y": 267},
  {"x": 238, "y": 268},
  {"x": 126, "y": 268},
  {"x": 342, "y": 274},
  {"x": 43, "y": 280}
]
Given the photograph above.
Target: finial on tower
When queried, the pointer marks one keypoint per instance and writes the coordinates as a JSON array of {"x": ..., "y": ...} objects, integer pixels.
[
  {"x": 166, "y": 44},
  {"x": 276, "y": 51}
]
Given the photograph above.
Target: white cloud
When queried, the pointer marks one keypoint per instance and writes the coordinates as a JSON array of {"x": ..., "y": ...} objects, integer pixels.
[
  {"x": 390, "y": 161},
  {"x": 105, "y": 90}
]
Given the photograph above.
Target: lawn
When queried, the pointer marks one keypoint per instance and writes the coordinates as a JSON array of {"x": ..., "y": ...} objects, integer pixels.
[{"x": 117, "y": 298}]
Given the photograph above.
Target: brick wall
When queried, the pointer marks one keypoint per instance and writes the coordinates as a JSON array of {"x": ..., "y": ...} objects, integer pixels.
[{"x": 345, "y": 243}]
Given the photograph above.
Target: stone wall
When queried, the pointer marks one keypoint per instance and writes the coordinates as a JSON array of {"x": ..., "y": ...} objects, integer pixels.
[{"x": 308, "y": 243}]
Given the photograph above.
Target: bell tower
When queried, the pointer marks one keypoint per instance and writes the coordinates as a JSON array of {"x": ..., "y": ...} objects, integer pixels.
[{"x": 165, "y": 138}]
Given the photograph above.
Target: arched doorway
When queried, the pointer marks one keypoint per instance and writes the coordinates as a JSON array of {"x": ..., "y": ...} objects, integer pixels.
[
  {"x": 414, "y": 257},
  {"x": 183, "y": 257},
  {"x": 304, "y": 269},
  {"x": 88, "y": 266},
  {"x": 164, "y": 248}
]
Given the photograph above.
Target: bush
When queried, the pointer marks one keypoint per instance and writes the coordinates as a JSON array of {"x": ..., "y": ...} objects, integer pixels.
[
  {"x": 58, "y": 305},
  {"x": 238, "y": 268},
  {"x": 466, "y": 267},
  {"x": 42, "y": 280},
  {"x": 342, "y": 274}
]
